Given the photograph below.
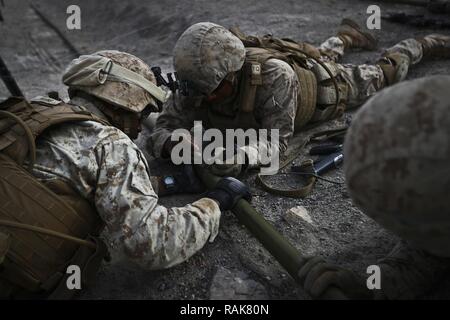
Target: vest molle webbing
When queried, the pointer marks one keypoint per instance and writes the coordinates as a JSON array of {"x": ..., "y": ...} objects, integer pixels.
[
  {"x": 44, "y": 226},
  {"x": 314, "y": 82}
]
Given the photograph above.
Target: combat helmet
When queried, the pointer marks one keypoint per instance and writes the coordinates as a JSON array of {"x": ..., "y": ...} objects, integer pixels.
[
  {"x": 123, "y": 81},
  {"x": 397, "y": 155},
  {"x": 205, "y": 54}
]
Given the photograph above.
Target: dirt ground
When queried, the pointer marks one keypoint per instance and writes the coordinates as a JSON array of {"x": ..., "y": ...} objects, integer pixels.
[{"x": 235, "y": 265}]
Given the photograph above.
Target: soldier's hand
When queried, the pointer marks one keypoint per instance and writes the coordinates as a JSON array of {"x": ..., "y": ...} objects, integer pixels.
[
  {"x": 317, "y": 276},
  {"x": 231, "y": 166},
  {"x": 228, "y": 192}
]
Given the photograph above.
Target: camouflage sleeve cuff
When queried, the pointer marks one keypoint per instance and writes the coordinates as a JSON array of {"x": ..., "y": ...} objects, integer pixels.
[{"x": 212, "y": 211}]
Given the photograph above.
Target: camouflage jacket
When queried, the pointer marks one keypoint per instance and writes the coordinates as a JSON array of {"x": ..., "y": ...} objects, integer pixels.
[
  {"x": 275, "y": 107},
  {"x": 109, "y": 170}
]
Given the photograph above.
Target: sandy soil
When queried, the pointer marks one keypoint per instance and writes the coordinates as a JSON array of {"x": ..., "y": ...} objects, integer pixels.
[{"x": 149, "y": 29}]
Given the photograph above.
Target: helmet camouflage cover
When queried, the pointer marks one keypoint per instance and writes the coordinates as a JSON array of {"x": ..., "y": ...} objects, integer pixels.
[
  {"x": 397, "y": 153},
  {"x": 205, "y": 53},
  {"x": 94, "y": 74}
]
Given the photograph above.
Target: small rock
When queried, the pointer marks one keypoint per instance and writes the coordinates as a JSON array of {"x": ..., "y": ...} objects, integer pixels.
[
  {"x": 235, "y": 285},
  {"x": 294, "y": 213}
]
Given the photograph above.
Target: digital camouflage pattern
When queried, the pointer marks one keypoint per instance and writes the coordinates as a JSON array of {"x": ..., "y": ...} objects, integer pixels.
[
  {"x": 397, "y": 172},
  {"x": 205, "y": 53},
  {"x": 126, "y": 95},
  {"x": 366, "y": 79},
  {"x": 396, "y": 169},
  {"x": 109, "y": 170},
  {"x": 276, "y": 99},
  {"x": 397, "y": 153},
  {"x": 409, "y": 47}
]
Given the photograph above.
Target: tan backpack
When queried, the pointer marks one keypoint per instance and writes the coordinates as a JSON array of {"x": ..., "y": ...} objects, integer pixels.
[
  {"x": 44, "y": 227},
  {"x": 296, "y": 54}
]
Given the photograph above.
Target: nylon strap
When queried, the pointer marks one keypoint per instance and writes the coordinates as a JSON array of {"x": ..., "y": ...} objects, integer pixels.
[
  {"x": 306, "y": 98},
  {"x": 132, "y": 77},
  {"x": 295, "y": 54},
  {"x": 304, "y": 190},
  {"x": 250, "y": 81},
  {"x": 300, "y": 192},
  {"x": 28, "y": 133},
  {"x": 48, "y": 232},
  {"x": 33, "y": 119}
]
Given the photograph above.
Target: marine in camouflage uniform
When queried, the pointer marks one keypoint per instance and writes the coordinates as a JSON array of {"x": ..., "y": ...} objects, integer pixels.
[
  {"x": 397, "y": 152},
  {"x": 103, "y": 164},
  {"x": 208, "y": 57}
]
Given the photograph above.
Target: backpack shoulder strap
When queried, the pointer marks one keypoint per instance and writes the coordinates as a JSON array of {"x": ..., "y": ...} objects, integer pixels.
[
  {"x": 251, "y": 78},
  {"x": 261, "y": 49},
  {"x": 18, "y": 116},
  {"x": 48, "y": 112},
  {"x": 302, "y": 50}
]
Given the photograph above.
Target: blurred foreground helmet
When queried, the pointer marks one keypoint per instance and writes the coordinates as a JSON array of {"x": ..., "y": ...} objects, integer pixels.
[
  {"x": 205, "y": 54},
  {"x": 397, "y": 166},
  {"x": 119, "y": 78}
]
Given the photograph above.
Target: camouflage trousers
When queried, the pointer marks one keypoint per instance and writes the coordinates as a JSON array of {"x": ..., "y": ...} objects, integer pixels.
[{"x": 365, "y": 79}]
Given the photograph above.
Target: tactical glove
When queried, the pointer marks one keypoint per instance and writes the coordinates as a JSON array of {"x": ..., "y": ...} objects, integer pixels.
[{"x": 228, "y": 192}]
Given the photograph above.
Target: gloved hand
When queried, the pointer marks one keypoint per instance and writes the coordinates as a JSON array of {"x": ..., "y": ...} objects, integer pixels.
[
  {"x": 228, "y": 192},
  {"x": 317, "y": 276}
]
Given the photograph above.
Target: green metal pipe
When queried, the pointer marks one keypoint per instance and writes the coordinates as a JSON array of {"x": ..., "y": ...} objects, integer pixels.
[
  {"x": 286, "y": 254},
  {"x": 270, "y": 238}
]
